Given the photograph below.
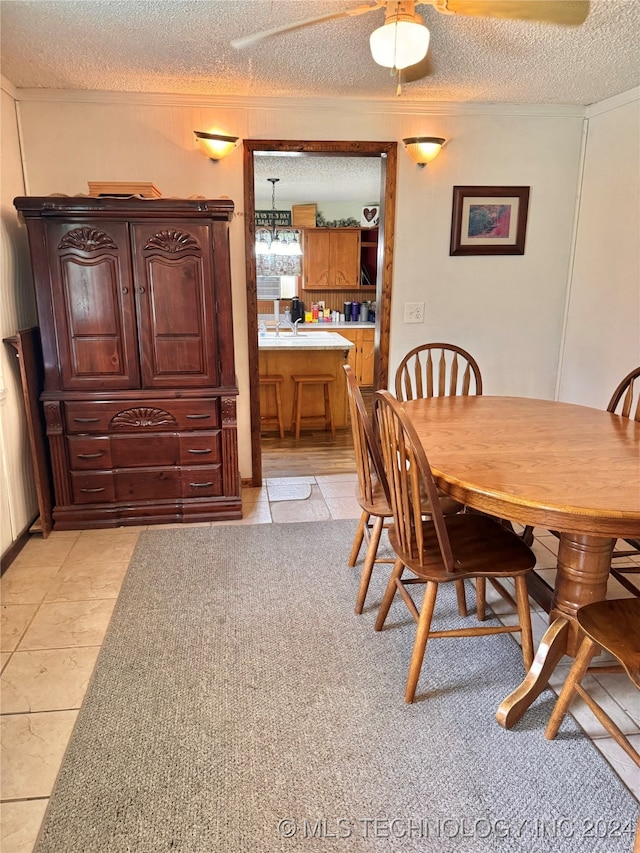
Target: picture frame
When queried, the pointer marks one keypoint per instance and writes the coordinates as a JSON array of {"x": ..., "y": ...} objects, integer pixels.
[{"x": 489, "y": 220}]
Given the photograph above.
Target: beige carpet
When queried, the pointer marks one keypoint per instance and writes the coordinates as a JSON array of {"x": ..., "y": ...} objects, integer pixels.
[{"x": 239, "y": 706}]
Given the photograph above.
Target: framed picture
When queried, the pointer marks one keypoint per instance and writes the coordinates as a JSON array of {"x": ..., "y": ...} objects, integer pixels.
[{"x": 489, "y": 220}]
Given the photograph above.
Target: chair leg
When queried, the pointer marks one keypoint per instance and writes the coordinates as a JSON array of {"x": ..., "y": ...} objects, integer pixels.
[
  {"x": 420, "y": 642},
  {"x": 524, "y": 617},
  {"x": 357, "y": 542},
  {"x": 389, "y": 595},
  {"x": 369, "y": 560},
  {"x": 527, "y": 535},
  {"x": 481, "y": 598},
  {"x": 586, "y": 651},
  {"x": 328, "y": 412},
  {"x": 462, "y": 599}
]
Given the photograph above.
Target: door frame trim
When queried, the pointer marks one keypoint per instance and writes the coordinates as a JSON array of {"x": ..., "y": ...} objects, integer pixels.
[{"x": 388, "y": 153}]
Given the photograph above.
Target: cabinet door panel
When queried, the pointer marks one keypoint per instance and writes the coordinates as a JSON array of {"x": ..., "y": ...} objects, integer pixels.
[
  {"x": 345, "y": 258},
  {"x": 316, "y": 260},
  {"x": 367, "y": 363},
  {"x": 174, "y": 297},
  {"x": 95, "y": 326}
]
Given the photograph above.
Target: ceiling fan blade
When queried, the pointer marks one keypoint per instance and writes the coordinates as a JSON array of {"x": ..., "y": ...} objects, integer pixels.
[
  {"x": 566, "y": 12},
  {"x": 246, "y": 41}
]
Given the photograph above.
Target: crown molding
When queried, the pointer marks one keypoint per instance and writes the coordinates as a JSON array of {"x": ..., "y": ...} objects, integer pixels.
[
  {"x": 238, "y": 102},
  {"x": 8, "y": 87},
  {"x": 613, "y": 103}
]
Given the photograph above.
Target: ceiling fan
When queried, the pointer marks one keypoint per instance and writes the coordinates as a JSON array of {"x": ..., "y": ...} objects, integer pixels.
[{"x": 403, "y": 40}]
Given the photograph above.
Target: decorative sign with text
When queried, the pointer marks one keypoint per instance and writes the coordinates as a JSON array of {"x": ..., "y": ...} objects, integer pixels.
[{"x": 273, "y": 218}]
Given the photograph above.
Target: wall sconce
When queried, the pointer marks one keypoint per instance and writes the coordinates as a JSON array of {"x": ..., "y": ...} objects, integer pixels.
[
  {"x": 423, "y": 149},
  {"x": 215, "y": 145}
]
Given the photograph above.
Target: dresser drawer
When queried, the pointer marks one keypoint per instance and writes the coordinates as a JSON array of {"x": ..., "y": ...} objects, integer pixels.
[
  {"x": 200, "y": 448},
  {"x": 153, "y": 415},
  {"x": 202, "y": 481},
  {"x": 144, "y": 451},
  {"x": 147, "y": 484},
  {"x": 89, "y": 453},
  {"x": 91, "y": 488}
]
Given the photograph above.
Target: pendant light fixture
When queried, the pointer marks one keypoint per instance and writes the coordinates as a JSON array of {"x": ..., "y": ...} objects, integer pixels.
[
  {"x": 277, "y": 241},
  {"x": 403, "y": 40}
]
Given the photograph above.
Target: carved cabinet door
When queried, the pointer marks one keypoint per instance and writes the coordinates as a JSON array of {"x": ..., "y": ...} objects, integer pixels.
[
  {"x": 316, "y": 259},
  {"x": 93, "y": 305},
  {"x": 175, "y": 304}
]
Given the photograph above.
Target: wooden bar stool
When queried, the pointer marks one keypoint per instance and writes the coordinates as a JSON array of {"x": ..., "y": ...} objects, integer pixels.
[
  {"x": 299, "y": 382},
  {"x": 274, "y": 381}
]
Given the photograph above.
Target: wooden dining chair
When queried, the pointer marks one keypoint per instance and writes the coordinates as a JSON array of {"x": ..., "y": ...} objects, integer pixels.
[
  {"x": 372, "y": 494},
  {"x": 441, "y": 549},
  {"x": 625, "y": 401},
  {"x": 612, "y": 625},
  {"x": 437, "y": 370}
]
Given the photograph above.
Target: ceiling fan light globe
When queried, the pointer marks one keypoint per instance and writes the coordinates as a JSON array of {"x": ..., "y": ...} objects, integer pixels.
[{"x": 399, "y": 44}]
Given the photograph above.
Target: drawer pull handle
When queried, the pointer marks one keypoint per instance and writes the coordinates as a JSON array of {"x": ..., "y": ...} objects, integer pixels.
[
  {"x": 198, "y": 417},
  {"x": 200, "y": 485},
  {"x": 90, "y": 455},
  {"x": 101, "y": 489},
  {"x": 208, "y": 450},
  {"x": 87, "y": 420}
]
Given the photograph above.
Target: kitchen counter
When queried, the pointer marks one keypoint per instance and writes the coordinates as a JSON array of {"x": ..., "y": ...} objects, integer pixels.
[
  {"x": 327, "y": 327},
  {"x": 304, "y": 354},
  {"x": 304, "y": 341}
]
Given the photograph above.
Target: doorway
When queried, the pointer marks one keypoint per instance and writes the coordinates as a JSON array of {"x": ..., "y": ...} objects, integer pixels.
[{"x": 387, "y": 153}]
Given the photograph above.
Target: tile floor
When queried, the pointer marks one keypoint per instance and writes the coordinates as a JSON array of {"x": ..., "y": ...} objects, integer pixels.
[{"x": 57, "y": 599}]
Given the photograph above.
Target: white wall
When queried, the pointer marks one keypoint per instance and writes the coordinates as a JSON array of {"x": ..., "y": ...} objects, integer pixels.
[
  {"x": 506, "y": 310},
  {"x": 18, "y": 503},
  {"x": 602, "y": 342}
]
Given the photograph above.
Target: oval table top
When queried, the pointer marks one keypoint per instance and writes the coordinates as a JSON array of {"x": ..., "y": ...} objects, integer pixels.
[{"x": 556, "y": 465}]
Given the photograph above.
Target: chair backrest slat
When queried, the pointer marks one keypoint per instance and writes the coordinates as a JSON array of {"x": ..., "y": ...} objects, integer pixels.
[
  {"x": 625, "y": 393},
  {"x": 457, "y": 373},
  {"x": 367, "y": 451},
  {"x": 412, "y": 489}
]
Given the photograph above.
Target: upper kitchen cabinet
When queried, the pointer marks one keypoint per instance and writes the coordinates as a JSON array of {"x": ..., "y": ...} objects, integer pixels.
[
  {"x": 340, "y": 258},
  {"x": 134, "y": 305},
  {"x": 331, "y": 258}
]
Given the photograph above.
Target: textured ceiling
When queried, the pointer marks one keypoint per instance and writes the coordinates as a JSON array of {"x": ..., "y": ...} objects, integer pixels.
[
  {"x": 184, "y": 47},
  {"x": 303, "y": 180}
]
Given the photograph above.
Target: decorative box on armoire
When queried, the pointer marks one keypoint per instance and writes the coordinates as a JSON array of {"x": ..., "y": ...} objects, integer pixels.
[{"x": 134, "y": 305}]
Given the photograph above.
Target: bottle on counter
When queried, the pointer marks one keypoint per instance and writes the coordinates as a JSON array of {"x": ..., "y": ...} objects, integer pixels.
[
  {"x": 347, "y": 312},
  {"x": 355, "y": 312}
]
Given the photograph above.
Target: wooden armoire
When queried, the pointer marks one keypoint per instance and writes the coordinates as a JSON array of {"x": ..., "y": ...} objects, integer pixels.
[{"x": 134, "y": 306}]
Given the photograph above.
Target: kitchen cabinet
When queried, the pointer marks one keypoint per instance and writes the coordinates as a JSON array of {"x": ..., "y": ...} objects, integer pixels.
[
  {"x": 134, "y": 304},
  {"x": 331, "y": 258},
  {"x": 361, "y": 358}
]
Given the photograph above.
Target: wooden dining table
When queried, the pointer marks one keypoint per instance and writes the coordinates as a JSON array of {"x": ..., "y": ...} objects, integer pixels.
[{"x": 567, "y": 468}]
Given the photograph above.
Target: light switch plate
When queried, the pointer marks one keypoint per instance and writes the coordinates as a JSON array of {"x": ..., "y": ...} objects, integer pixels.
[{"x": 414, "y": 312}]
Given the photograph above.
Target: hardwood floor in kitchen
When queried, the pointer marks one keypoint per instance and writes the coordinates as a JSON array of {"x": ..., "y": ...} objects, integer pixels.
[{"x": 314, "y": 453}]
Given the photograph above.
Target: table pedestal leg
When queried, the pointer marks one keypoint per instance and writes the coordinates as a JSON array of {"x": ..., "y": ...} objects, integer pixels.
[{"x": 583, "y": 570}]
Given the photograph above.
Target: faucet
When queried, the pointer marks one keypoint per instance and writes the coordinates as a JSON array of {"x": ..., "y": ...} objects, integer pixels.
[
  {"x": 294, "y": 326},
  {"x": 277, "y": 329}
]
